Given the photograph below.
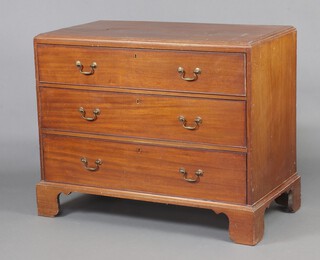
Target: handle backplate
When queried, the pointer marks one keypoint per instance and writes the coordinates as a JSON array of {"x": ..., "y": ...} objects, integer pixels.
[
  {"x": 196, "y": 72},
  {"x": 198, "y": 174},
  {"x": 85, "y": 163},
  {"x": 95, "y": 112},
  {"x": 197, "y": 121},
  {"x": 93, "y": 66}
]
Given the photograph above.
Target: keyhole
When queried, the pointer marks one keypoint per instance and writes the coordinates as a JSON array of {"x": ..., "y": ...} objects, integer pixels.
[
  {"x": 138, "y": 101},
  {"x": 139, "y": 150}
]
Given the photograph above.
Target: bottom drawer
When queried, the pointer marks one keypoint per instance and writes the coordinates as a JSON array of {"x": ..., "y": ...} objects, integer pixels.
[{"x": 146, "y": 168}]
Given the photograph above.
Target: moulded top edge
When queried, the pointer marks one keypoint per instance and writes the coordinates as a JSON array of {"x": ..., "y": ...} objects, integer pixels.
[{"x": 163, "y": 35}]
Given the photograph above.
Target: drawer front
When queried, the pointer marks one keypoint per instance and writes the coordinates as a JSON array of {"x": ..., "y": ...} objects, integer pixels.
[
  {"x": 147, "y": 168},
  {"x": 221, "y": 73},
  {"x": 148, "y": 116}
]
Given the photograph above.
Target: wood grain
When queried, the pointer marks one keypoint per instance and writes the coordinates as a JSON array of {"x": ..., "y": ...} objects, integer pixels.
[
  {"x": 245, "y": 95},
  {"x": 48, "y": 200},
  {"x": 246, "y": 223},
  {"x": 127, "y": 139},
  {"x": 246, "y": 227},
  {"x": 164, "y": 35},
  {"x": 144, "y": 168},
  {"x": 144, "y": 91},
  {"x": 271, "y": 115},
  {"x": 148, "y": 116},
  {"x": 146, "y": 69}
]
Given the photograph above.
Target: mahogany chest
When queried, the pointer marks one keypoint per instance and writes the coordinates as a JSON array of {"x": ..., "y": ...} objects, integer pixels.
[{"x": 200, "y": 115}]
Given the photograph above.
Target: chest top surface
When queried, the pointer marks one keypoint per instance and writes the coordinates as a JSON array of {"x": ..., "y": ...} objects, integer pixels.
[{"x": 163, "y": 35}]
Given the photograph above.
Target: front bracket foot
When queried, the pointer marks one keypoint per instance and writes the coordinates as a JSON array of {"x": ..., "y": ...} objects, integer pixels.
[{"x": 48, "y": 199}]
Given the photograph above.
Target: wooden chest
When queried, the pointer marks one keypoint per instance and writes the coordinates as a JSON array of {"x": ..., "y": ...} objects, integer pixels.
[{"x": 198, "y": 115}]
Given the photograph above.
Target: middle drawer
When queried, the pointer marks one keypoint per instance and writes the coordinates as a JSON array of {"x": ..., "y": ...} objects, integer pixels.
[{"x": 220, "y": 122}]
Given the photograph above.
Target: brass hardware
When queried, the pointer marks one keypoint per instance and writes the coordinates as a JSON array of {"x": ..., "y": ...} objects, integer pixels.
[
  {"x": 197, "y": 122},
  {"x": 182, "y": 73},
  {"x": 198, "y": 173},
  {"x": 95, "y": 112},
  {"x": 98, "y": 162},
  {"x": 93, "y": 66}
]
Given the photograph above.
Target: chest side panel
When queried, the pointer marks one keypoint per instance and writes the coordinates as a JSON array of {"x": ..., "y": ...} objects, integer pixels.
[{"x": 271, "y": 115}]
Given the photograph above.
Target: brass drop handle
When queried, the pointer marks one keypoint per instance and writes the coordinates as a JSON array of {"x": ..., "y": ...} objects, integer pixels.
[
  {"x": 95, "y": 112},
  {"x": 197, "y": 122},
  {"x": 93, "y": 66},
  {"x": 98, "y": 162},
  {"x": 198, "y": 173},
  {"x": 196, "y": 72}
]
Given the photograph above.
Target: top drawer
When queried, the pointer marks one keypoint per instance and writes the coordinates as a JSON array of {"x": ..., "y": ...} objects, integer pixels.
[{"x": 221, "y": 73}]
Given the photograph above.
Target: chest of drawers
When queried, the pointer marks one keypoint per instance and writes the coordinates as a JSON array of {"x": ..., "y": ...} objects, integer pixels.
[{"x": 198, "y": 115}]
